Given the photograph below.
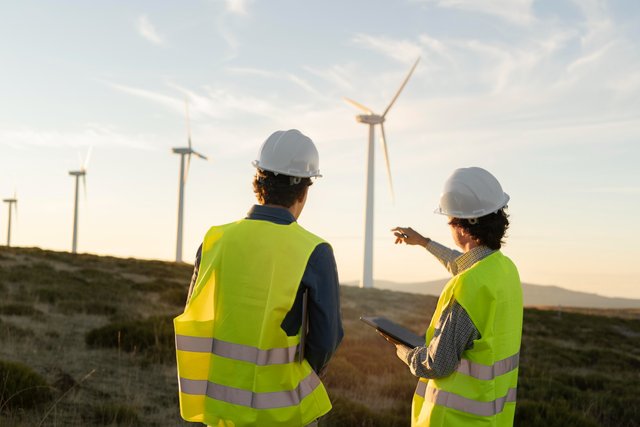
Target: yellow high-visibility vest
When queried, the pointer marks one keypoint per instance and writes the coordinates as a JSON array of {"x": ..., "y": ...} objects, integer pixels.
[
  {"x": 236, "y": 366},
  {"x": 482, "y": 390}
]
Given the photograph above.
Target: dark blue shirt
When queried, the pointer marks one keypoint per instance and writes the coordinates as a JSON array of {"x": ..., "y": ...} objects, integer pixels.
[{"x": 320, "y": 278}]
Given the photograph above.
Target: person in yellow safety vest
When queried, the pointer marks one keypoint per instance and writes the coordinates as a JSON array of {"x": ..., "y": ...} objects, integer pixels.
[
  {"x": 468, "y": 368},
  {"x": 262, "y": 317}
]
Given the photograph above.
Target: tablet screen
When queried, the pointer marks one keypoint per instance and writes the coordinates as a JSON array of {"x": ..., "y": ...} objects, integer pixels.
[{"x": 395, "y": 331}]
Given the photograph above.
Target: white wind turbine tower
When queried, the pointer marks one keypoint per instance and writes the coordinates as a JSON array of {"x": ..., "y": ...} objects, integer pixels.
[
  {"x": 372, "y": 119},
  {"x": 184, "y": 151},
  {"x": 81, "y": 173},
  {"x": 13, "y": 203}
]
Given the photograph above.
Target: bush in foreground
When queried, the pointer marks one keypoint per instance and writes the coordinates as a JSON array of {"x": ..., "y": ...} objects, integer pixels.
[
  {"x": 21, "y": 387},
  {"x": 153, "y": 337}
]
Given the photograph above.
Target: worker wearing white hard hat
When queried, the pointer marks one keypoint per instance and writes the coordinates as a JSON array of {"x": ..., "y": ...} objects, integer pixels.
[
  {"x": 263, "y": 310},
  {"x": 468, "y": 367}
]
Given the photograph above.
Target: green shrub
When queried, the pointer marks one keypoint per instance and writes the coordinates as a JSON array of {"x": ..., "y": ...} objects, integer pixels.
[
  {"x": 154, "y": 337},
  {"x": 20, "y": 310},
  {"x": 21, "y": 387}
]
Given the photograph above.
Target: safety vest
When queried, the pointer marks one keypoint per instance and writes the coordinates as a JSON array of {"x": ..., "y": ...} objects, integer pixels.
[
  {"x": 482, "y": 390},
  {"x": 236, "y": 366}
]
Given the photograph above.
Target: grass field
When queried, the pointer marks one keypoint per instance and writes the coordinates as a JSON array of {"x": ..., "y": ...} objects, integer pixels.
[{"x": 88, "y": 340}]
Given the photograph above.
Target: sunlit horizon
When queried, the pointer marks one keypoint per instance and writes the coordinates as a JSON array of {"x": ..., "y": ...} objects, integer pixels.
[{"x": 545, "y": 95}]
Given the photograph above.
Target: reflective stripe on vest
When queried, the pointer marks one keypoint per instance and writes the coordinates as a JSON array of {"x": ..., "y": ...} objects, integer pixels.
[
  {"x": 245, "y": 353},
  {"x": 236, "y": 396},
  {"x": 457, "y": 402},
  {"x": 484, "y": 372}
]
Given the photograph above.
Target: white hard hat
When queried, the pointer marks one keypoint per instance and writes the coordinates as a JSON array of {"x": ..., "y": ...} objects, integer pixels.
[
  {"x": 289, "y": 152},
  {"x": 471, "y": 193}
]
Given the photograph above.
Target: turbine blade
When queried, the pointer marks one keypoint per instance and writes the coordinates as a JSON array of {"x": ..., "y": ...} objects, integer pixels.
[
  {"x": 404, "y": 83},
  {"x": 86, "y": 159},
  {"x": 186, "y": 107},
  {"x": 203, "y": 157},
  {"x": 84, "y": 186},
  {"x": 383, "y": 140},
  {"x": 357, "y": 105},
  {"x": 186, "y": 169}
]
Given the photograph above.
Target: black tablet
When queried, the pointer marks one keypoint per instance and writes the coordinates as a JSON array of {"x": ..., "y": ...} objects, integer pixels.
[{"x": 395, "y": 331}]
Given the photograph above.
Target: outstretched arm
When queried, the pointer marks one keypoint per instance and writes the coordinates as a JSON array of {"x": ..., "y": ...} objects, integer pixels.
[{"x": 446, "y": 256}]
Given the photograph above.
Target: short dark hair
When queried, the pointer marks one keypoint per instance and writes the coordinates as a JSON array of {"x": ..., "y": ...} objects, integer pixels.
[
  {"x": 278, "y": 189},
  {"x": 488, "y": 230}
]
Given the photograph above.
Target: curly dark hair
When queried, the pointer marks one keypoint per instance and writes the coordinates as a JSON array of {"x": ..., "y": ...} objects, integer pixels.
[
  {"x": 281, "y": 190},
  {"x": 488, "y": 230}
]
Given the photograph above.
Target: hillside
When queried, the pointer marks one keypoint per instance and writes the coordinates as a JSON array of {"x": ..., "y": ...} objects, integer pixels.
[
  {"x": 87, "y": 340},
  {"x": 533, "y": 295}
]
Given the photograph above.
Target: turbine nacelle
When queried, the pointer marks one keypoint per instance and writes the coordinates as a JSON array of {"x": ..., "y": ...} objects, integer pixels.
[
  {"x": 78, "y": 173},
  {"x": 370, "y": 119},
  {"x": 188, "y": 151}
]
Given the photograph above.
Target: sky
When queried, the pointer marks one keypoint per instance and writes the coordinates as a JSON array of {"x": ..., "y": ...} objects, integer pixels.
[{"x": 543, "y": 94}]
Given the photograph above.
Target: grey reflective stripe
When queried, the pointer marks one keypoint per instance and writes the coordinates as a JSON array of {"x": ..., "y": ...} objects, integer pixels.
[
  {"x": 455, "y": 401},
  {"x": 245, "y": 353},
  {"x": 484, "y": 372},
  {"x": 237, "y": 396}
]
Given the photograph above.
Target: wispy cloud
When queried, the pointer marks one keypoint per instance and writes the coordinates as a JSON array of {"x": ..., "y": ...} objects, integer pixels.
[
  {"x": 174, "y": 104},
  {"x": 337, "y": 75},
  {"x": 515, "y": 11},
  {"x": 405, "y": 51},
  {"x": 211, "y": 102},
  {"x": 247, "y": 71},
  {"x": 148, "y": 31},
  {"x": 224, "y": 22},
  {"x": 238, "y": 7},
  {"x": 91, "y": 134},
  {"x": 304, "y": 85}
]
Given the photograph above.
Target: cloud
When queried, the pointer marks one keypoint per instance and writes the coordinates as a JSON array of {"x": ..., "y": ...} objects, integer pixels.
[
  {"x": 404, "y": 51},
  {"x": 164, "y": 100},
  {"x": 91, "y": 135},
  {"x": 237, "y": 7},
  {"x": 214, "y": 103},
  {"x": 148, "y": 31},
  {"x": 247, "y": 71},
  {"x": 336, "y": 75},
  {"x": 515, "y": 11}
]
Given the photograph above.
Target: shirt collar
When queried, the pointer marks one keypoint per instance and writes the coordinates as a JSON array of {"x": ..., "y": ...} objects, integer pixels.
[
  {"x": 277, "y": 215},
  {"x": 467, "y": 259}
]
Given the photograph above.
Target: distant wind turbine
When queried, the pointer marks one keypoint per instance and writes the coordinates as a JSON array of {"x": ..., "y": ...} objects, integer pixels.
[
  {"x": 79, "y": 174},
  {"x": 372, "y": 119},
  {"x": 184, "y": 172},
  {"x": 13, "y": 203}
]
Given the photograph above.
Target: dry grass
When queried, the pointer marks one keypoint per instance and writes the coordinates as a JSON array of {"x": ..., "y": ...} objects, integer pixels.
[{"x": 579, "y": 367}]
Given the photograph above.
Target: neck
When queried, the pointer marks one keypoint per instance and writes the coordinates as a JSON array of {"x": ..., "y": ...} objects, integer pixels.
[
  {"x": 467, "y": 246},
  {"x": 295, "y": 209}
]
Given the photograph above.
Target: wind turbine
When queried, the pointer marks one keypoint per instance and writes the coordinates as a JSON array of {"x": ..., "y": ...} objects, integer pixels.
[
  {"x": 184, "y": 172},
  {"x": 79, "y": 174},
  {"x": 12, "y": 203},
  {"x": 372, "y": 119}
]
